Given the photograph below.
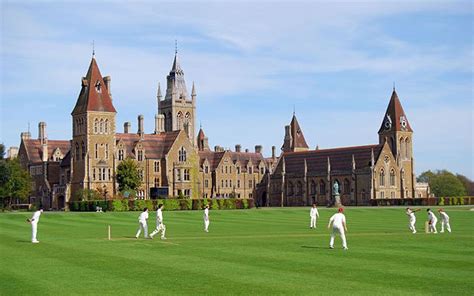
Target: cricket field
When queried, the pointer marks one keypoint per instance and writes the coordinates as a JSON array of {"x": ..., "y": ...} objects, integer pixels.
[{"x": 247, "y": 252}]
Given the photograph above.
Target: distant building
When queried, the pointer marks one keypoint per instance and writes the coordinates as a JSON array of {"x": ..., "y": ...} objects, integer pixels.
[
  {"x": 362, "y": 173},
  {"x": 12, "y": 153}
]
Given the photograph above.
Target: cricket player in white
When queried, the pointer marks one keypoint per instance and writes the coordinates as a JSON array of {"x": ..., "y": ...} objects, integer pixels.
[
  {"x": 338, "y": 222},
  {"x": 34, "y": 225},
  {"x": 411, "y": 219},
  {"x": 142, "y": 223},
  {"x": 444, "y": 221},
  {"x": 159, "y": 223},
  {"x": 206, "y": 218},
  {"x": 313, "y": 214},
  {"x": 432, "y": 220}
]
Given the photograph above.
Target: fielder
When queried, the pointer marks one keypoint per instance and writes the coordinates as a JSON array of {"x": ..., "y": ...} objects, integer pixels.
[
  {"x": 142, "y": 223},
  {"x": 411, "y": 219},
  {"x": 432, "y": 220},
  {"x": 34, "y": 225},
  {"x": 338, "y": 222},
  {"x": 159, "y": 223},
  {"x": 206, "y": 218},
  {"x": 444, "y": 220},
  {"x": 313, "y": 214}
]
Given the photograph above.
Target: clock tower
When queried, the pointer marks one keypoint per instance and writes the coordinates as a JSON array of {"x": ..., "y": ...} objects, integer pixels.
[{"x": 396, "y": 130}]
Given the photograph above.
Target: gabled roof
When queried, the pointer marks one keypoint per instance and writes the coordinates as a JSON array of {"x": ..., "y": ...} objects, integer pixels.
[
  {"x": 201, "y": 136},
  {"x": 34, "y": 149},
  {"x": 243, "y": 158},
  {"x": 395, "y": 118},
  {"x": 156, "y": 146},
  {"x": 340, "y": 159},
  {"x": 298, "y": 140},
  {"x": 94, "y": 95}
]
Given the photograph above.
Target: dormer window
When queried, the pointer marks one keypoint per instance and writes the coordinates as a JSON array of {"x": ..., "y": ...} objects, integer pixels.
[
  {"x": 98, "y": 86},
  {"x": 182, "y": 155}
]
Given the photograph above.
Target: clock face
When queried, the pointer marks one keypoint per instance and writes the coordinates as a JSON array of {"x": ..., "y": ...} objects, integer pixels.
[
  {"x": 388, "y": 122},
  {"x": 403, "y": 121}
]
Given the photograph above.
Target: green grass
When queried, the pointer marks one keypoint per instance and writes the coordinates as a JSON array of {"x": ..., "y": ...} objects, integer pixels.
[{"x": 247, "y": 252}]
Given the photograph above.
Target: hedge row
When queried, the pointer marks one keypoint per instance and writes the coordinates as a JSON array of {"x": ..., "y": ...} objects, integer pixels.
[
  {"x": 432, "y": 201},
  {"x": 122, "y": 205}
]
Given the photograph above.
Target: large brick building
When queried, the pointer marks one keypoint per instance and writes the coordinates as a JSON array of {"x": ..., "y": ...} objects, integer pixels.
[
  {"x": 362, "y": 173},
  {"x": 172, "y": 160}
]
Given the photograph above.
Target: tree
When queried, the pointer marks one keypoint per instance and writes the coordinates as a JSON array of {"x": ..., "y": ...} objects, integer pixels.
[
  {"x": 2, "y": 151},
  {"x": 467, "y": 183},
  {"x": 128, "y": 177},
  {"x": 15, "y": 182},
  {"x": 443, "y": 183}
]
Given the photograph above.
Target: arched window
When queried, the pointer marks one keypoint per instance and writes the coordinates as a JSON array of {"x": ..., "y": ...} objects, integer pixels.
[
  {"x": 120, "y": 154},
  {"x": 157, "y": 182},
  {"x": 182, "y": 154},
  {"x": 347, "y": 186},
  {"x": 83, "y": 147},
  {"x": 157, "y": 166},
  {"x": 291, "y": 188},
  {"x": 101, "y": 126},
  {"x": 313, "y": 188},
  {"x": 299, "y": 188},
  {"x": 106, "y": 126},
  {"x": 402, "y": 148},
  {"x": 96, "y": 151},
  {"x": 407, "y": 149},
  {"x": 392, "y": 177},
  {"x": 382, "y": 178},
  {"x": 96, "y": 126},
  {"x": 322, "y": 187},
  {"x": 78, "y": 153},
  {"x": 179, "y": 120}
]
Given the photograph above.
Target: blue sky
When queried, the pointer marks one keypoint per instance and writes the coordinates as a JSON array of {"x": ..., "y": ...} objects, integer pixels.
[{"x": 335, "y": 63}]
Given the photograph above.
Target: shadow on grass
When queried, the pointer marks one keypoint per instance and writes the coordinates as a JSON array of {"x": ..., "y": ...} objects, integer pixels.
[
  {"x": 24, "y": 241},
  {"x": 314, "y": 247}
]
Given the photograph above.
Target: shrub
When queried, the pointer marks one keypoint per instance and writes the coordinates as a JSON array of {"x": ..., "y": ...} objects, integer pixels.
[
  {"x": 197, "y": 204},
  {"x": 221, "y": 203},
  {"x": 230, "y": 204},
  {"x": 441, "y": 201},
  {"x": 185, "y": 204},
  {"x": 245, "y": 203},
  {"x": 239, "y": 204},
  {"x": 119, "y": 205},
  {"x": 214, "y": 205}
]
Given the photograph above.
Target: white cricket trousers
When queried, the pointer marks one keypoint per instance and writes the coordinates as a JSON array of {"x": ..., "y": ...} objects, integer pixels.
[
  {"x": 432, "y": 226},
  {"x": 340, "y": 231},
  {"x": 445, "y": 223},
  {"x": 206, "y": 225},
  {"x": 159, "y": 227},
  {"x": 142, "y": 225},
  {"x": 34, "y": 231},
  {"x": 411, "y": 225},
  {"x": 313, "y": 222}
]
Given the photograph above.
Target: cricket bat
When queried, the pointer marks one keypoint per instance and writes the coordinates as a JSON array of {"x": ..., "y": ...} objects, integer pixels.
[{"x": 427, "y": 227}]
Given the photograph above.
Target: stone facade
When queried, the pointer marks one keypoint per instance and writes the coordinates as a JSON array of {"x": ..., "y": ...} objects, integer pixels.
[{"x": 301, "y": 176}]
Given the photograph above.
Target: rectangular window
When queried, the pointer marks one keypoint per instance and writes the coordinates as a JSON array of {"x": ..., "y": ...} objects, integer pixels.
[
  {"x": 238, "y": 183},
  {"x": 157, "y": 166},
  {"x": 250, "y": 183},
  {"x": 140, "y": 155},
  {"x": 106, "y": 151},
  {"x": 230, "y": 183},
  {"x": 206, "y": 183},
  {"x": 103, "y": 175},
  {"x": 93, "y": 174},
  {"x": 96, "y": 151},
  {"x": 382, "y": 194},
  {"x": 262, "y": 170},
  {"x": 186, "y": 175},
  {"x": 178, "y": 174},
  {"x": 120, "y": 155},
  {"x": 238, "y": 170}
]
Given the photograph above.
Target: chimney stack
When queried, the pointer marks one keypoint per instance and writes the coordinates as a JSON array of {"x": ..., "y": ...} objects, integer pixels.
[
  {"x": 246, "y": 151},
  {"x": 140, "y": 125},
  {"x": 42, "y": 132},
  {"x": 159, "y": 123},
  {"x": 126, "y": 127},
  {"x": 237, "y": 148},
  {"x": 107, "y": 81},
  {"x": 258, "y": 148},
  {"x": 273, "y": 152}
]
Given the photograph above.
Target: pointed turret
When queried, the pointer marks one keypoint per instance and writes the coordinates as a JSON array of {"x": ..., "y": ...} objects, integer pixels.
[
  {"x": 294, "y": 138},
  {"x": 94, "y": 95},
  {"x": 202, "y": 141},
  {"x": 193, "y": 93},
  {"x": 176, "y": 86},
  {"x": 158, "y": 93},
  {"x": 394, "y": 118}
]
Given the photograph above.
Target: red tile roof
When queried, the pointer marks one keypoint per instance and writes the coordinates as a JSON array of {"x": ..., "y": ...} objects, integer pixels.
[
  {"x": 214, "y": 158},
  {"x": 340, "y": 159},
  {"x": 35, "y": 151},
  {"x": 156, "y": 146},
  {"x": 394, "y": 115},
  {"x": 94, "y": 95},
  {"x": 297, "y": 134}
]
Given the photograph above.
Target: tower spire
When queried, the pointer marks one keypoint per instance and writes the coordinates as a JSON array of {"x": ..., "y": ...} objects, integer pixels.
[
  {"x": 175, "y": 47},
  {"x": 158, "y": 93},
  {"x": 93, "y": 49}
]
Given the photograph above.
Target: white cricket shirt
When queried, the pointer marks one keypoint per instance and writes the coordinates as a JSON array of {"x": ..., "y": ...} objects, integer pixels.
[
  {"x": 314, "y": 212},
  {"x": 143, "y": 216},
  {"x": 159, "y": 215},
  {"x": 338, "y": 220},
  {"x": 444, "y": 216},
  {"x": 206, "y": 214}
]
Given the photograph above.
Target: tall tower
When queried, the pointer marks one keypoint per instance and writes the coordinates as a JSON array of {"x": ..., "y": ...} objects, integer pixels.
[
  {"x": 294, "y": 138},
  {"x": 397, "y": 131},
  {"x": 177, "y": 107},
  {"x": 93, "y": 129}
]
